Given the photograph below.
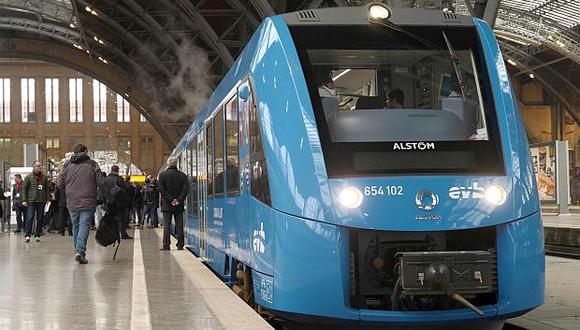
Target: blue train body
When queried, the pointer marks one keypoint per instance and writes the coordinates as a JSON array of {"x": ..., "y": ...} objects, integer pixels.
[{"x": 306, "y": 251}]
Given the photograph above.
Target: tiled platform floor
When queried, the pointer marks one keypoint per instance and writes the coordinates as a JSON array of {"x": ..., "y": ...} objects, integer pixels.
[{"x": 41, "y": 287}]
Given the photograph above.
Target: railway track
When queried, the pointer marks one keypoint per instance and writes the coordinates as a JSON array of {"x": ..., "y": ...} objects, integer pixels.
[{"x": 572, "y": 252}]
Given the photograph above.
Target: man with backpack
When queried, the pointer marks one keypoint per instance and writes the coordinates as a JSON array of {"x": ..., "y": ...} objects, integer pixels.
[
  {"x": 80, "y": 178},
  {"x": 118, "y": 199},
  {"x": 150, "y": 201},
  {"x": 34, "y": 196},
  {"x": 173, "y": 188}
]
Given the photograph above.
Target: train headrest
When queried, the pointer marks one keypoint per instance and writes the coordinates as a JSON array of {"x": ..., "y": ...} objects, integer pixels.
[{"x": 370, "y": 102}]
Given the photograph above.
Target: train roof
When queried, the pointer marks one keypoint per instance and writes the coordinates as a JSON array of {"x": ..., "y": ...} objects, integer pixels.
[{"x": 360, "y": 16}]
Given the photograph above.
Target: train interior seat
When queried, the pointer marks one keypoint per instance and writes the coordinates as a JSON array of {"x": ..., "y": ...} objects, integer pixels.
[{"x": 370, "y": 102}]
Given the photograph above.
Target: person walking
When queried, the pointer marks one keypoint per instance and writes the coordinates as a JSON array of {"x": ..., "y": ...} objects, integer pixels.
[
  {"x": 118, "y": 203},
  {"x": 34, "y": 196},
  {"x": 173, "y": 188},
  {"x": 137, "y": 211},
  {"x": 150, "y": 201},
  {"x": 80, "y": 178},
  {"x": 64, "y": 223},
  {"x": 17, "y": 203}
]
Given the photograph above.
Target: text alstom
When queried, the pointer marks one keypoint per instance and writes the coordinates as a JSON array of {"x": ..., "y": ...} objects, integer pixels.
[{"x": 414, "y": 146}]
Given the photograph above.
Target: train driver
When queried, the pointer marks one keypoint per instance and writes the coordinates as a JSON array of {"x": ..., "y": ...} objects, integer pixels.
[{"x": 395, "y": 99}]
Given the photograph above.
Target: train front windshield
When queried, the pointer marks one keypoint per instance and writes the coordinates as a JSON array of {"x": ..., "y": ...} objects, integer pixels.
[{"x": 392, "y": 102}]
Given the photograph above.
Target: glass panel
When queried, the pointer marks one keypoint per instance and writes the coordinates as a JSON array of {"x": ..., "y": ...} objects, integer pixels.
[
  {"x": 219, "y": 152},
  {"x": 28, "y": 100},
  {"x": 385, "y": 100},
  {"x": 4, "y": 100},
  {"x": 76, "y": 100},
  {"x": 209, "y": 158},
  {"x": 51, "y": 99},
  {"x": 194, "y": 197},
  {"x": 232, "y": 140},
  {"x": 99, "y": 102}
]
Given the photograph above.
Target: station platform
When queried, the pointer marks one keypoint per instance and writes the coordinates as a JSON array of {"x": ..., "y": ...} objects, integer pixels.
[{"x": 42, "y": 287}]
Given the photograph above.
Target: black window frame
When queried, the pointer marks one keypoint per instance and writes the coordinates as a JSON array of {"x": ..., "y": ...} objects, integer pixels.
[
  {"x": 219, "y": 139},
  {"x": 339, "y": 156},
  {"x": 209, "y": 160},
  {"x": 259, "y": 181}
]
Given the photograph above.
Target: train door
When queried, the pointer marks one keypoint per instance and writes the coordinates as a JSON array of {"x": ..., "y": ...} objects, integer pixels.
[{"x": 202, "y": 191}]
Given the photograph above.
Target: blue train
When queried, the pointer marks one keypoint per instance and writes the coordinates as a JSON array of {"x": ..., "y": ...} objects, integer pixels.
[{"x": 368, "y": 165}]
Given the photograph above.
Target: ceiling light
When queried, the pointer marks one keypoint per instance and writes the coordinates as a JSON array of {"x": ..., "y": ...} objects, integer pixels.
[
  {"x": 72, "y": 26},
  {"x": 87, "y": 8},
  {"x": 532, "y": 75},
  {"x": 512, "y": 62}
]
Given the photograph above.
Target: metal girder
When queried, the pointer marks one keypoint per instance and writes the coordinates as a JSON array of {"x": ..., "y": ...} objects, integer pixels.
[
  {"x": 57, "y": 32},
  {"x": 236, "y": 4},
  {"x": 118, "y": 81},
  {"x": 41, "y": 28},
  {"x": 490, "y": 13},
  {"x": 134, "y": 41},
  {"x": 54, "y": 10},
  {"x": 195, "y": 18},
  {"x": 550, "y": 6},
  {"x": 147, "y": 22},
  {"x": 571, "y": 110},
  {"x": 543, "y": 30},
  {"x": 263, "y": 8},
  {"x": 545, "y": 64}
]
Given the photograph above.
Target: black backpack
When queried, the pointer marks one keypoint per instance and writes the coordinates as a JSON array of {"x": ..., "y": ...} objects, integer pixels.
[
  {"x": 149, "y": 194},
  {"x": 120, "y": 197},
  {"x": 108, "y": 232}
]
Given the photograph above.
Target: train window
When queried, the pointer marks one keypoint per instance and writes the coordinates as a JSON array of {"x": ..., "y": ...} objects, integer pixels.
[
  {"x": 388, "y": 103},
  {"x": 218, "y": 122},
  {"x": 209, "y": 157},
  {"x": 232, "y": 159},
  {"x": 193, "y": 179},
  {"x": 260, "y": 185},
  {"x": 201, "y": 177}
]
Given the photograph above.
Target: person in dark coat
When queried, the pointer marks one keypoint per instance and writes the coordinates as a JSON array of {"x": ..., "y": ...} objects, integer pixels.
[
  {"x": 17, "y": 203},
  {"x": 80, "y": 177},
  {"x": 121, "y": 205},
  {"x": 64, "y": 223},
  {"x": 150, "y": 194},
  {"x": 2, "y": 198},
  {"x": 34, "y": 197},
  {"x": 173, "y": 187},
  {"x": 137, "y": 211}
]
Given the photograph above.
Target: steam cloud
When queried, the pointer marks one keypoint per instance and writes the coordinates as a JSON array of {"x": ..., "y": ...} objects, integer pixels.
[{"x": 187, "y": 91}]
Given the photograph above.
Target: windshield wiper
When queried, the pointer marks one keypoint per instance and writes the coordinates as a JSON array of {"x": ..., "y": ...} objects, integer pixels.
[
  {"x": 452, "y": 54},
  {"x": 456, "y": 67}
]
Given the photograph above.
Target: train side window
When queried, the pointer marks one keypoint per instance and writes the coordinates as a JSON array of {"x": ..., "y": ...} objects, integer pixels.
[
  {"x": 209, "y": 157},
  {"x": 201, "y": 170},
  {"x": 260, "y": 186},
  {"x": 218, "y": 122},
  {"x": 232, "y": 144},
  {"x": 193, "y": 181}
]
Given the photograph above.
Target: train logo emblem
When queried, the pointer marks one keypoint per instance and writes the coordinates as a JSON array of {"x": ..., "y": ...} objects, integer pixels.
[
  {"x": 259, "y": 238},
  {"x": 426, "y": 200}
]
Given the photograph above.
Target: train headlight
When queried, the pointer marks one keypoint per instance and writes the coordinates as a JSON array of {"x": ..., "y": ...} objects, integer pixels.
[
  {"x": 379, "y": 12},
  {"x": 495, "y": 194},
  {"x": 350, "y": 197}
]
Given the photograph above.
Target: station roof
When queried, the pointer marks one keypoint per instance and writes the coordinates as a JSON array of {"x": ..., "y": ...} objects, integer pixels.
[{"x": 166, "y": 55}]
